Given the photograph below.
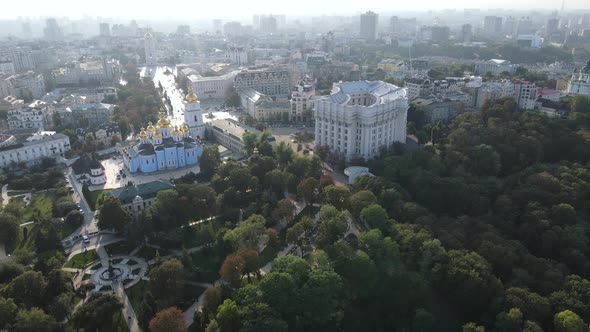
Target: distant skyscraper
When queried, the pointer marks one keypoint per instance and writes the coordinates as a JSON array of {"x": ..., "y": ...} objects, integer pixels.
[
  {"x": 369, "y": 25},
  {"x": 217, "y": 25},
  {"x": 105, "y": 30},
  {"x": 27, "y": 31},
  {"x": 394, "y": 24},
  {"x": 510, "y": 26},
  {"x": 525, "y": 26},
  {"x": 52, "y": 31},
  {"x": 492, "y": 26},
  {"x": 151, "y": 58},
  {"x": 268, "y": 24},
  {"x": 256, "y": 21},
  {"x": 466, "y": 33},
  {"x": 183, "y": 30},
  {"x": 232, "y": 28},
  {"x": 552, "y": 26}
]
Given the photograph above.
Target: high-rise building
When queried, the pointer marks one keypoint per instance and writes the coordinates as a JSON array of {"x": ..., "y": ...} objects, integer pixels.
[
  {"x": 552, "y": 26},
  {"x": 268, "y": 24},
  {"x": 368, "y": 29},
  {"x": 525, "y": 94},
  {"x": 151, "y": 58},
  {"x": 52, "y": 31},
  {"x": 525, "y": 26},
  {"x": 105, "y": 30},
  {"x": 394, "y": 24},
  {"x": 359, "y": 118},
  {"x": 466, "y": 33},
  {"x": 183, "y": 29},
  {"x": 217, "y": 25},
  {"x": 27, "y": 31},
  {"x": 21, "y": 58},
  {"x": 492, "y": 26},
  {"x": 232, "y": 29}
]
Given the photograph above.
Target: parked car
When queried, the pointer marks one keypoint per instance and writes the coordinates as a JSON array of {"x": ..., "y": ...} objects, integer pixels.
[{"x": 85, "y": 238}]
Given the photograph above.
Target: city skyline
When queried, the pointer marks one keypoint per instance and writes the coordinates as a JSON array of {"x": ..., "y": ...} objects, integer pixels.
[{"x": 243, "y": 10}]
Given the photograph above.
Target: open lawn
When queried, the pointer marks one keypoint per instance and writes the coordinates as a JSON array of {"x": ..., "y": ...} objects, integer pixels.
[
  {"x": 206, "y": 264},
  {"x": 119, "y": 248},
  {"x": 81, "y": 259},
  {"x": 149, "y": 253},
  {"x": 136, "y": 293}
]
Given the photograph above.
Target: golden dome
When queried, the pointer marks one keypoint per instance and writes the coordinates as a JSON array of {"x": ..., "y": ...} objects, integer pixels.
[
  {"x": 163, "y": 123},
  {"x": 191, "y": 97},
  {"x": 148, "y": 35},
  {"x": 143, "y": 134},
  {"x": 176, "y": 132},
  {"x": 158, "y": 134},
  {"x": 151, "y": 128},
  {"x": 184, "y": 128}
]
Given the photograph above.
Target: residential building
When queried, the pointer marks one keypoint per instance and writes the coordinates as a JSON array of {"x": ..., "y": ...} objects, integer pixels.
[
  {"x": 90, "y": 71},
  {"x": 525, "y": 94},
  {"x": 492, "y": 26},
  {"x": 36, "y": 115},
  {"x": 274, "y": 82},
  {"x": 418, "y": 87},
  {"x": 210, "y": 87},
  {"x": 493, "y": 91},
  {"x": 105, "y": 30},
  {"x": 237, "y": 55},
  {"x": 20, "y": 57},
  {"x": 359, "y": 118},
  {"x": 30, "y": 146},
  {"x": 301, "y": 102},
  {"x": 138, "y": 198},
  {"x": 268, "y": 24},
  {"x": 28, "y": 83},
  {"x": 87, "y": 113},
  {"x": 368, "y": 27},
  {"x": 52, "y": 31},
  {"x": 391, "y": 65},
  {"x": 104, "y": 135},
  {"x": 494, "y": 66},
  {"x": 229, "y": 133},
  {"x": 549, "y": 94},
  {"x": 88, "y": 170},
  {"x": 466, "y": 33}
]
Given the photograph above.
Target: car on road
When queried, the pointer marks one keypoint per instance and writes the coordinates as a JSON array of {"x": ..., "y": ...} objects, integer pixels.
[
  {"x": 81, "y": 211},
  {"x": 85, "y": 238}
]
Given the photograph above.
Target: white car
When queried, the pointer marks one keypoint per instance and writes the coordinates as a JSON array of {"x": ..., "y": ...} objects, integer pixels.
[{"x": 85, "y": 238}]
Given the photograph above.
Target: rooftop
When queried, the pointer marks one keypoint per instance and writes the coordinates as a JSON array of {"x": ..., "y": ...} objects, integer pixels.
[
  {"x": 382, "y": 91},
  {"x": 145, "y": 190}
]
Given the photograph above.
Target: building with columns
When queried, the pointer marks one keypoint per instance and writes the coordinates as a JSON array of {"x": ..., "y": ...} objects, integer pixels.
[
  {"x": 358, "y": 118},
  {"x": 151, "y": 58}
]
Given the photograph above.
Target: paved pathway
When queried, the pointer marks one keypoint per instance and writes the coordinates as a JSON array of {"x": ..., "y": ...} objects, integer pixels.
[
  {"x": 128, "y": 312},
  {"x": 5, "y": 197}
]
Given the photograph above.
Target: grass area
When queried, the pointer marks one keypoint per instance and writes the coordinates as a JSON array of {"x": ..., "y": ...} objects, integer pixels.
[
  {"x": 93, "y": 196},
  {"x": 149, "y": 253},
  {"x": 81, "y": 259},
  {"x": 40, "y": 207},
  {"x": 86, "y": 276},
  {"x": 135, "y": 294},
  {"x": 119, "y": 248},
  {"x": 206, "y": 264}
]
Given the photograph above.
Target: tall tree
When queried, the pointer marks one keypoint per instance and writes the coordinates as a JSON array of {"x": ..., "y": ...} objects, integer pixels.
[
  {"x": 209, "y": 160},
  {"x": 112, "y": 215},
  {"x": 168, "y": 320}
]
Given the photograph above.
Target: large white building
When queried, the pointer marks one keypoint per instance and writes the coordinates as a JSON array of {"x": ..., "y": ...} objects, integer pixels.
[
  {"x": 30, "y": 146},
  {"x": 494, "y": 66},
  {"x": 36, "y": 115},
  {"x": 27, "y": 82},
  {"x": 579, "y": 84},
  {"x": 301, "y": 103},
  {"x": 212, "y": 87},
  {"x": 74, "y": 73},
  {"x": 149, "y": 44},
  {"x": 358, "y": 118}
]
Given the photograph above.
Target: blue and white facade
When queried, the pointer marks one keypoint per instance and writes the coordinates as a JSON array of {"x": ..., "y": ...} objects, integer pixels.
[{"x": 162, "y": 147}]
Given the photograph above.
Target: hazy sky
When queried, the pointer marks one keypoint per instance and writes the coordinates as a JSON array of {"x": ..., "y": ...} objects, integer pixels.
[{"x": 203, "y": 9}]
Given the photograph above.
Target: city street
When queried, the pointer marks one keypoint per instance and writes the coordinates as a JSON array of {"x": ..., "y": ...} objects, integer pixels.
[{"x": 89, "y": 224}]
